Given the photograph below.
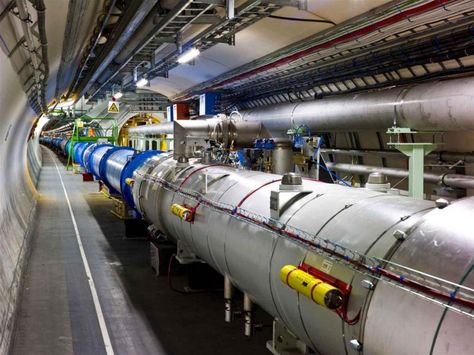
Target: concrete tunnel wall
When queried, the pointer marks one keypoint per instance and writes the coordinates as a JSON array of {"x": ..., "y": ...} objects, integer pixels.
[{"x": 20, "y": 162}]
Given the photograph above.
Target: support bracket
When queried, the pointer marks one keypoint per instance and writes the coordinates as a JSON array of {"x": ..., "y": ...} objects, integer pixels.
[
  {"x": 416, "y": 159},
  {"x": 285, "y": 343}
]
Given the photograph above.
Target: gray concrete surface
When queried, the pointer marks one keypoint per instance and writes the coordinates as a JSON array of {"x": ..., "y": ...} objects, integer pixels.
[{"x": 143, "y": 316}]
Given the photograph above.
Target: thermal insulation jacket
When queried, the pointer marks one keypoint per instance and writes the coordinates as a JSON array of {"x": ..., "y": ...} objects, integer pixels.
[
  {"x": 438, "y": 242},
  {"x": 95, "y": 158}
]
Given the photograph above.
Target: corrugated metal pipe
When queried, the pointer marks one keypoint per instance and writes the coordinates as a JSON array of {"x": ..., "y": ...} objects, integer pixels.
[
  {"x": 446, "y": 105},
  {"x": 451, "y": 180}
]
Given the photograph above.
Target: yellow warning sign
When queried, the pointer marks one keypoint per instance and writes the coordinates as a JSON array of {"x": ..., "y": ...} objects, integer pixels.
[{"x": 113, "y": 107}]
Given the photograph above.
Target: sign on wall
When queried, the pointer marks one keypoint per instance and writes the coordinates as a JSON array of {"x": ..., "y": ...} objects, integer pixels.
[{"x": 113, "y": 107}]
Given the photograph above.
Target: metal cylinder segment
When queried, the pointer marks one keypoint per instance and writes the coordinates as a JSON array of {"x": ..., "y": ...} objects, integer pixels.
[
  {"x": 95, "y": 158},
  {"x": 252, "y": 254},
  {"x": 445, "y": 105},
  {"x": 112, "y": 165},
  {"x": 79, "y": 149},
  {"x": 85, "y": 156}
]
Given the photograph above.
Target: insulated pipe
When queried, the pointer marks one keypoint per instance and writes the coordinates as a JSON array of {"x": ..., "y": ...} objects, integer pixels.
[
  {"x": 152, "y": 129},
  {"x": 112, "y": 166},
  {"x": 95, "y": 158},
  {"x": 79, "y": 149},
  {"x": 452, "y": 180},
  {"x": 446, "y": 105},
  {"x": 85, "y": 156},
  {"x": 467, "y": 157},
  {"x": 252, "y": 254}
]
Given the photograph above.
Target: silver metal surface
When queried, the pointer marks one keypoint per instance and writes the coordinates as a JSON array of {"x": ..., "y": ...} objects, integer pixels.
[
  {"x": 114, "y": 166},
  {"x": 467, "y": 157},
  {"x": 452, "y": 180},
  {"x": 282, "y": 158},
  {"x": 291, "y": 179},
  {"x": 377, "y": 178},
  {"x": 439, "y": 106},
  {"x": 86, "y": 155},
  {"x": 153, "y": 129},
  {"x": 95, "y": 158},
  {"x": 358, "y": 219}
]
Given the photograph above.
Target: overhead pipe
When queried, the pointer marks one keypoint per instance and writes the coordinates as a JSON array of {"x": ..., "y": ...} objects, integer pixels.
[
  {"x": 152, "y": 129},
  {"x": 466, "y": 157},
  {"x": 436, "y": 106},
  {"x": 39, "y": 82},
  {"x": 451, "y": 180},
  {"x": 127, "y": 29}
]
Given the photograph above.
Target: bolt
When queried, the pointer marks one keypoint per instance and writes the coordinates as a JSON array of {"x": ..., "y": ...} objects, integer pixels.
[
  {"x": 356, "y": 345},
  {"x": 442, "y": 203}
]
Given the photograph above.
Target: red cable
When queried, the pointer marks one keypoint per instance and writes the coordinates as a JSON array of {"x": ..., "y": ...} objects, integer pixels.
[
  {"x": 197, "y": 170},
  {"x": 254, "y": 191},
  {"x": 360, "y": 32}
]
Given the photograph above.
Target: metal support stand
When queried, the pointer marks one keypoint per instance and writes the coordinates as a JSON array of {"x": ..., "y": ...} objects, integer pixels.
[
  {"x": 228, "y": 295},
  {"x": 416, "y": 160},
  {"x": 285, "y": 343},
  {"x": 248, "y": 316}
]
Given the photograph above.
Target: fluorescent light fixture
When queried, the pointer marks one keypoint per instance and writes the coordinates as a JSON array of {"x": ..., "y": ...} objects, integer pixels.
[
  {"x": 189, "y": 55},
  {"x": 118, "y": 95},
  {"x": 142, "y": 82}
]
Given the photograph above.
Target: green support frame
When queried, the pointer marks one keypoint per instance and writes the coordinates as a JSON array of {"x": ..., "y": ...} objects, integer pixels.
[{"x": 110, "y": 135}]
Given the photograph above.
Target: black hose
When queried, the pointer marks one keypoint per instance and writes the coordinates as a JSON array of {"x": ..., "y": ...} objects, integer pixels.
[{"x": 301, "y": 19}]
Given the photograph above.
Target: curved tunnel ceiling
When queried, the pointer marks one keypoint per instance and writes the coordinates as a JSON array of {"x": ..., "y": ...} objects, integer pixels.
[{"x": 260, "y": 39}]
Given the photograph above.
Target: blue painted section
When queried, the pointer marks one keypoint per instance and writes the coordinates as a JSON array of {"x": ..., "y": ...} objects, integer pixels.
[
  {"x": 135, "y": 162},
  {"x": 79, "y": 149},
  {"x": 102, "y": 166},
  {"x": 67, "y": 147},
  {"x": 91, "y": 156},
  {"x": 208, "y": 103},
  {"x": 169, "y": 113}
]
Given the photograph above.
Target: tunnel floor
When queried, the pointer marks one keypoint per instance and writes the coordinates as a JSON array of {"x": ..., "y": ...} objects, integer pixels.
[{"x": 142, "y": 315}]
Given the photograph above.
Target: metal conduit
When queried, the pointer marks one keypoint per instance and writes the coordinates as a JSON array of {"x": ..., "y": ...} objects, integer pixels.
[
  {"x": 162, "y": 128},
  {"x": 436, "y": 106},
  {"x": 452, "y": 180},
  {"x": 467, "y": 157}
]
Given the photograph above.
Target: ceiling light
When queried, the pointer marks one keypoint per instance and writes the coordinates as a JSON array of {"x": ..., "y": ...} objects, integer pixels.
[
  {"x": 118, "y": 95},
  {"x": 142, "y": 82},
  {"x": 189, "y": 55}
]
